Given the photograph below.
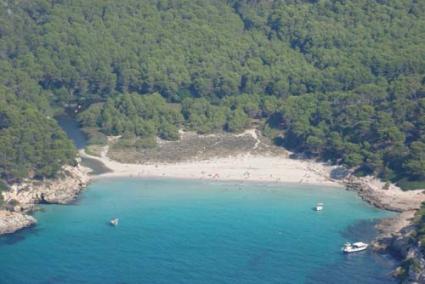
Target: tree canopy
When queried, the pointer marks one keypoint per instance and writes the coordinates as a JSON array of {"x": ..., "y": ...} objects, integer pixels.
[
  {"x": 32, "y": 145},
  {"x": 341, "y": 80}
]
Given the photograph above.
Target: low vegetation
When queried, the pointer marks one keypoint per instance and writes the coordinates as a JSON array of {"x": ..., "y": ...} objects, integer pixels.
[{"x": 190, "y": 147}]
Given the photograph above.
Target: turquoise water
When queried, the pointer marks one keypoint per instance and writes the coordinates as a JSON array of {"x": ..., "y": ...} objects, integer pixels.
[{"x": 197, "y": 232}]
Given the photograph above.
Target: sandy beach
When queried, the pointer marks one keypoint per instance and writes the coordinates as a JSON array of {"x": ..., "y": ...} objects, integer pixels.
[{"x": 258, "y": 168}]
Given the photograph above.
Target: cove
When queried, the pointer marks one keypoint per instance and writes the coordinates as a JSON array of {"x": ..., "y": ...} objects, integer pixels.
[{"x": 175, "y": 231}]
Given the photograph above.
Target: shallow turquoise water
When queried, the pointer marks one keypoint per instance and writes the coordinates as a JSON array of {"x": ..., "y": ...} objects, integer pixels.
[{"x": 197, "y": 232}]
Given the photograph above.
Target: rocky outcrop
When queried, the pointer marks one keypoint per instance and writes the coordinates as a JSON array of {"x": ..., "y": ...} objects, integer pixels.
[
  {"x": 11, "y": 222},
  {"x": 416, "y": 269},
  {"x": 62, "y": 190},
  {"x": 23, "y": 197},
  {"x": 393, "y": 226},
  {"x": 405, "y": 248},
  {"x": 385, "y": 195},
  {"x": 395, "y": 233}
]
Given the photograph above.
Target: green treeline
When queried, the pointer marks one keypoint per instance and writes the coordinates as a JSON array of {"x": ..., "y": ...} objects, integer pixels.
[
  {"x": 132, "y": 114},
  {"x": 378, "y": 128},
  {"x": 340, "y": 80},
  {"x": 32, "y": 145},
  {"x": 150, "y": 115}
]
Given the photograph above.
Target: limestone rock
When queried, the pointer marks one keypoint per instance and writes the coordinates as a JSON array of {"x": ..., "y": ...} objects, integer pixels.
[
  {"x": 22, "y": 197},
  {"x": 11, "y": 222},
  {"x": 385, "y": 196},
  {"x": 61, "y": 190}
]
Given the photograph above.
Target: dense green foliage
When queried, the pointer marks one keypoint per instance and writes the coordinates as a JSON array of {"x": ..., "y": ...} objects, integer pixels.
[
  {"x": 142, "y": 116},
  {"x": 380, "y": 128},
  {"x": 31, "y": 144},
  {"x": 343, "y": 80},
  {"x": 150, "y": 116},
  {"x": 231, "y": 113}
]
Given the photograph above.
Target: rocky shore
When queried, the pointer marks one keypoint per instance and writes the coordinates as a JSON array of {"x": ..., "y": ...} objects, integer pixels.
[
  {"x": 22, "y": 198},
  {"x": 385, "y": 195},
  {"x": 389, "y": 197},
  {"x": 405, "y": 248},
  {"x": 396, "y": 235},
  {"x": 11, "y": 222}
]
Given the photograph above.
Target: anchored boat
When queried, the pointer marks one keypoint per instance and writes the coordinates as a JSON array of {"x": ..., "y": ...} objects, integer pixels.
[
  {"x": 114, "y": 222},
  {"x": 319, "y": 207},
  {"x": 354, "y": 247}
]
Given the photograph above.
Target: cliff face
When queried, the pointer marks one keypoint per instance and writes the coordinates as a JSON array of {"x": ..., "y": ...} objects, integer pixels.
[
  {"x": 411, "y": 254},
  {"x": 22, "y": 197}
]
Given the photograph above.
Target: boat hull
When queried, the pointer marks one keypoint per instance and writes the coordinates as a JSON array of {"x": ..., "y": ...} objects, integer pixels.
[{"x": 354, "y": 249}]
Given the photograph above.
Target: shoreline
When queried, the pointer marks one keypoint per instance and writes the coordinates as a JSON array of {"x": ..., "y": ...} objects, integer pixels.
[
  {"x": 240, "y": 168},
  {"x": 22, "y": 198},
  {"x": 248, "y": 168},
  {"x": 230, "y": 181},
  {"x": 280, "y": 170},
  {"x": 393, "y": 232}
]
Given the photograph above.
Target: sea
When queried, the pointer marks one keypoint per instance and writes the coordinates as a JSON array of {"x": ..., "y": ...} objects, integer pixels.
[{"x": 183, "y": 231}]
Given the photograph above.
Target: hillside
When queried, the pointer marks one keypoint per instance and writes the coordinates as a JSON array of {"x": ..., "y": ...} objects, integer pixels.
[{"x": 338, "y": 80}]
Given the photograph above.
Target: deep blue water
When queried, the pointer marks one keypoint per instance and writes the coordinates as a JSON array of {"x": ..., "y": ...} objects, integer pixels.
[{"x": 197, "y": 232}]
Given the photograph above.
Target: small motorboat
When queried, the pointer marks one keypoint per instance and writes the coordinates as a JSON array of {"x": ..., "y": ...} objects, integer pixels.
[
  {"x": 319, "y": 207},
  {"x": 114, "y": 222},
  {"x": 354, "y": 247}
]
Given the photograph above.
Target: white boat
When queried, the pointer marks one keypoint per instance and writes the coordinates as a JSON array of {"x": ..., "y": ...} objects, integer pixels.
[
  {"x": 319, "y": 207},
  {"x": 354, "y": 247},
  {"x": 114, "y": 222}
]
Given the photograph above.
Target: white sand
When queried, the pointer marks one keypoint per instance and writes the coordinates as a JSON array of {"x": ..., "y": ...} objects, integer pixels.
[{"x": 259, "y": 168}]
